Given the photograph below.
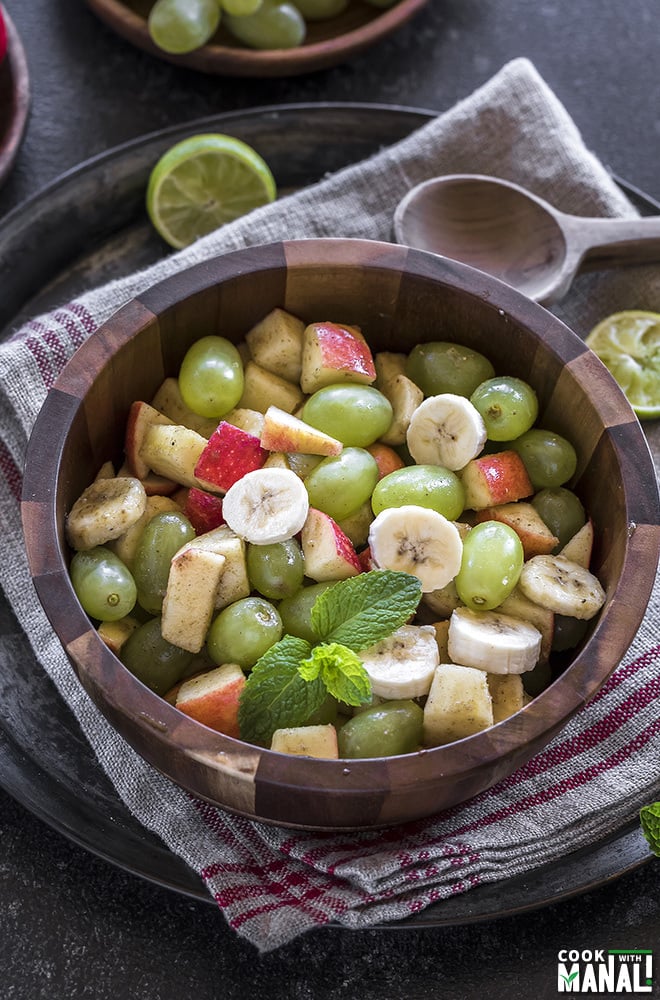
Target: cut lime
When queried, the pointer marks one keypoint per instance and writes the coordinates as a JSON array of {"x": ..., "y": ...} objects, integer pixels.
[
  {"x": 203, "y": 182},
  {"x": 628, "y": 344}
]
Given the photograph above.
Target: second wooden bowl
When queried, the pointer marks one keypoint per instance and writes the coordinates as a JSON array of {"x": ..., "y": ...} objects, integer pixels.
[
  {"x": 399, "y": 297},
  {"x": 328, "y": 42}
]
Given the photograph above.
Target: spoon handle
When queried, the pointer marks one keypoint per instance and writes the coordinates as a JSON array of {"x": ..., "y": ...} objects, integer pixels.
[{"x": 615, "y": 242}]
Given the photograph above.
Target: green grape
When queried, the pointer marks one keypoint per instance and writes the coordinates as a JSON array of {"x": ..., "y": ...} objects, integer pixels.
[
  {"x": 341, "y": 483},
  {"x": 356, "y": 415},
  {"x": 276, "y": 570},
  {"x": 179, "y": 26},
  {"x": 155, "y": 661},
  {"x": 276, "y": 25},
  {"x": 567, "y": 632},
  {"x": 295, "y": 611},
  {"x": 385, "y": 730},
  {"x": 562, "y": 511},
  {"x": 103, "y": 584},
  {"x": 240, "y": 8},
  {"x": 318, "y": 10},
  {"x": 492, "y": 560},
  {"x": 507, "y": 405},
  {"x": 161, "y": 539},
  {"x": 243, "y": 632},
  {"x": 440, "y": 366},
  {"x": 211, "y": 377},
  {"x": 549, "y": 458},
  {"x": 422, "y": 485}
]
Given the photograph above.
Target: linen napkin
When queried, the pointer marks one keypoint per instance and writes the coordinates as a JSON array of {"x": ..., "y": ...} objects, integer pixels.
[{"x": 273, "y": 884}]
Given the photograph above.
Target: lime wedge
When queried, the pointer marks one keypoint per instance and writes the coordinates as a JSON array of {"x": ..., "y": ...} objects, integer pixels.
[
  {"x": 202, "y": 183},
  {"x": 628, "y": 344}
]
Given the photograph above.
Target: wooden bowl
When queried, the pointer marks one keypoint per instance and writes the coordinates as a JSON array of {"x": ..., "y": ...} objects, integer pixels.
[
  {"x": 14, "y": 97},
  {"x": 328, "y": 42},
  {"x": 399, "y": 297}
]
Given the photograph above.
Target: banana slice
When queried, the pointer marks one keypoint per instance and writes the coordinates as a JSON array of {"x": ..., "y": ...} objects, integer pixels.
[
  {"x": 265, "y": 506},
  {"x": 419, "y": 541},
  {"x": 104, "y": 511},
  {"x": 562, "y": 586},
  {"x": 446, "y": 430},
  {"x": 403, "y": 664},
  {"x": 490, "y": 641}
]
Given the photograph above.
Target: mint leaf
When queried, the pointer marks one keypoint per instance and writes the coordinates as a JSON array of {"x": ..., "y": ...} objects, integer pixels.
[
  {"x": 275, "y": 695},
  {"x": 341, "y": 671},
  {"x": 650, "y": 821},
  {"x": 364, "y": 609}
]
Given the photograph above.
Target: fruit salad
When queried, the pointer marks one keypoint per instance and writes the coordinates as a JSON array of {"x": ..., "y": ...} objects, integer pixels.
[{"x": 327, "y": 551}]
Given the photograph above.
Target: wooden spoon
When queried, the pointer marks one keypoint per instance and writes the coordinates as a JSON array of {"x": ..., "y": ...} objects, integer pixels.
[{"x": 509, "y": 232}]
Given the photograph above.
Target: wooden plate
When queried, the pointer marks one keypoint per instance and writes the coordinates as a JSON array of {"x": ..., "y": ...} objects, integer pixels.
[
  {"x": 14, "y": 97},
  {"x": 328, "y": 42}
]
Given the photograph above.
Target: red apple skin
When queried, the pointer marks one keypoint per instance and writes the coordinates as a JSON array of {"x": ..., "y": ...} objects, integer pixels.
[
  {"x": 329, "y": 553},
  {"x": 335, "y": 353},
  {"x": 213, "y": 699},
  {"x": 228, "y": 456},
  {"x": 365, "y": 559},
  {"x": 140, "y": 417},
  {"x": 286, "y": 433},
  {"x": 387, "y": 459},
  {"x": 203, "y": 510},
  {"x": 343, "y": 349},
  {"x": 495, "y": 479}
]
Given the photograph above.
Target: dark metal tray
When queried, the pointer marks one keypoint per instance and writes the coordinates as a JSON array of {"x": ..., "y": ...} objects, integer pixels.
[{"x": 84, "y": 229}]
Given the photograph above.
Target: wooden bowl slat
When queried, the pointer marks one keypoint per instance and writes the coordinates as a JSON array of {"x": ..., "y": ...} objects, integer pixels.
[{"x": 398, "y": 297}]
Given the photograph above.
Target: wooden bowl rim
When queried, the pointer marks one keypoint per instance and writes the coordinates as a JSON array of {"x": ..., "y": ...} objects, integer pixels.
[
  {"x": 14, "y": 77},
  {"x": 615, "y": 627},
  {"x": 241, "y": 61}
]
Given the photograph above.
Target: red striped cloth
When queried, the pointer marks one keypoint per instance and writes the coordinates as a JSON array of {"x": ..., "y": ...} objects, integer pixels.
[{"x": 271, "y": 883}]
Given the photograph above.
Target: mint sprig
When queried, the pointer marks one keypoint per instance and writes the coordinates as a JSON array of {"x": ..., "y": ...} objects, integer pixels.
[
  {"x": 292, "y": 679},
  {"x": 275, "y": 695},
  {"x": 649, "y": 817},
  {"x": 341, "y": 670},
  {"x": 364, "y": 609}
]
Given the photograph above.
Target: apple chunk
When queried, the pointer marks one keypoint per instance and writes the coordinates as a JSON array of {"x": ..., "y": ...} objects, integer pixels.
[
  {"x": 282, "y": 432},
  {"x": 212, "y": 698},
  {"x": 495, "y": 479},
  {"x": 229, "y": 454},
  {"x": 203, "y": 510},
  {"x": 536, "y": 537},
  {"x": 169, "y": 401},
  {"x": 335, "y": 353},
  {"x": 275, "y": 344},
  {"x": 189, "y": 600},
  {"x": 307, "y": 741},
  {"x": 459, "y": 704},
  {"x": 328, "y": 552}
]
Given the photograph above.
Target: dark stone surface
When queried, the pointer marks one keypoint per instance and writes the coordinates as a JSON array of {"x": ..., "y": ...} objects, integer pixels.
[{"x": 73, "y": 926}]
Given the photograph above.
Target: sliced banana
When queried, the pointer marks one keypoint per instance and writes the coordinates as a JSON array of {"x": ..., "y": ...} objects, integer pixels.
[
  {"x": 490, "y": 641},
  {"x": 446, "y": 430},
  {"x": 265, "y": 506},
  {"x": 419, "y": 541},
  {"x": 562, "y": 586},
  {"x": 104, "y": 511},
  {"x": 403, "y": 664}
]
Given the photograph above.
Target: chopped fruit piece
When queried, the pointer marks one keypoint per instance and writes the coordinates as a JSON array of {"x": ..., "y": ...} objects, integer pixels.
[{"x": 229, "y": 454}]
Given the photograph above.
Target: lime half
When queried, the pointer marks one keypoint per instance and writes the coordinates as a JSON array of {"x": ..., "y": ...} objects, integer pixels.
[
  {"x": 202, "y": 183},
  {"x": 628, "y": 344}
]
